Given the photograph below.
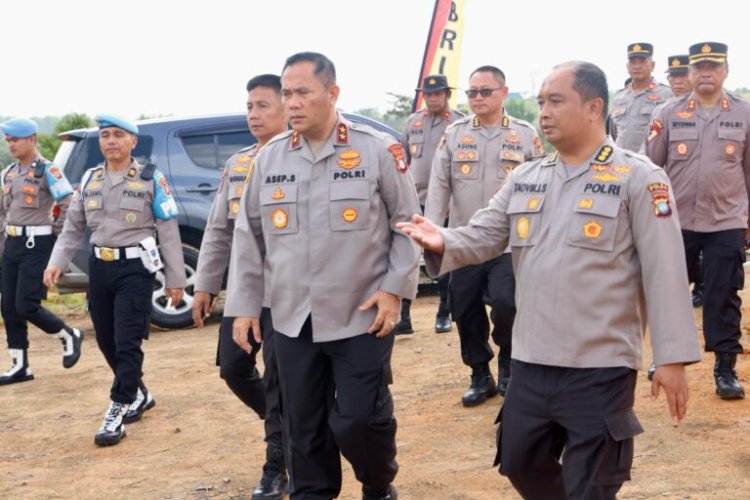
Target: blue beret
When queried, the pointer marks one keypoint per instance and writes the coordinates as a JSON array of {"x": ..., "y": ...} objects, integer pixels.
[
  {"x": 19, "y": 127},
  {"x": 105, "y": 121}
]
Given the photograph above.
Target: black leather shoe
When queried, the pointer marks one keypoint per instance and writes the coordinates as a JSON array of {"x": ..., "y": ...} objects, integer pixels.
[
  {"x": 403, "y": 327},
  {"x": 727, "y": 385},
  {"x": 697, "y": 296},
  {"x": 390, "y": 494},
  {"x": 482, "y": 386},
  {"x": 144, "y": 401},
  {"x": 503, "y": 374},
  {"x": 112, "y": 430},
  {"x": 274, "y": 485},
  {"x": 651, "y": 371},
  {"x": 443, "y": 324},
  {"x": 71, "y": 341}
]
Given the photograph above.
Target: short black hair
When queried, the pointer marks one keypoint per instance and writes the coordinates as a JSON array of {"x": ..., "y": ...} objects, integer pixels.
[
  {"x": 324, "y": 68},
  {"x": 496, "y": 72},
  {"x": 267, "y": 80},
  {"x": 589, "y": 81}
]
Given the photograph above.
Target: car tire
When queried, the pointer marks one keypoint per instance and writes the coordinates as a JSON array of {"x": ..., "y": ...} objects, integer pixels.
[{"x": 181, "y": 315}]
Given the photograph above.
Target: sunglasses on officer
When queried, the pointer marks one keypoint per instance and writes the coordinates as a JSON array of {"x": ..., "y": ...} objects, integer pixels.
[{"x": 472, "y": 93}]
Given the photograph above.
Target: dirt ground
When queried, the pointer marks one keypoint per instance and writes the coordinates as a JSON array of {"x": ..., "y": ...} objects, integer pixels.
[{"x": 200, "y": 442}]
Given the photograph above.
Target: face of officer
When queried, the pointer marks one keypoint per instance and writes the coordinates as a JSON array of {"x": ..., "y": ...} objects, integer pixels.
[
  {"x": 567, "y": 120},
  {"x": 265, "y": 113},
  {"x": 22, "y": 148},
  {"x": 116, "y": 145},
  {"x": 437, "y": 102},
  {"x": 640, "y": 69},
  {"x": 680, "y": 84},
  {"x": 309, "y": 101},
  {"x": 489, "y": 108},
  {"x": 708, "y": 77}
]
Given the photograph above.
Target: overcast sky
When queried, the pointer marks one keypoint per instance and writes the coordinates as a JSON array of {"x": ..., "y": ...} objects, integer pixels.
[{"x": 151, "y": 57}]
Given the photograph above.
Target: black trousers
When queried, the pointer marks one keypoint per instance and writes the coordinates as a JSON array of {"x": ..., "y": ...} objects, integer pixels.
[
  {"x": 723, "y": 277},
  {"x": 335, "y": 397},
  {"x": 238, "y": 369},
  {"x": 567, "y": 433},
  {"x": 23, "y": 289},
  {"x": 471, "y": 287},
  {"x": 120, "y": 304}
]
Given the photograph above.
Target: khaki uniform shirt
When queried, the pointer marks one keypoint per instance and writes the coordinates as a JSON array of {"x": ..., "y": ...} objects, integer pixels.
[
  {"x": 631, "y": 113},
  {"x": 588, "y": 249},
  {"x": 471, "y": 164},
  {"x": 422, "y": 133},
  {"x": 121, "y": 211},
  {"x": 328, "y": 225},
  {"x": 217, "y": 238},
  {"x": 28, "y": 200},
  {"x": 706, "y": 154}
]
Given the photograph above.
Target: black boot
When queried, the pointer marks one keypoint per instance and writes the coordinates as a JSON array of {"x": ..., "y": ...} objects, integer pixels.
[
  {"x": 727, "y": 385},
  {"x": 503, "y": 377},
  {"x": 371, "y": 494},
  {"x": 697, "y": 296},
  {"x": 403, "y": 327},
  {"x": 443, "y": 319},
  {"x": 20, "y": 371},
  {"x": 274, "y": 484},
  {"x": 71, "y": 339},
  {"x": 482, "y": 386}
]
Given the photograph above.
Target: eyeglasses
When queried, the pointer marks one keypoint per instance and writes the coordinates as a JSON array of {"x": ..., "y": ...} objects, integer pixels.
[{"x": 472, "y": 93}]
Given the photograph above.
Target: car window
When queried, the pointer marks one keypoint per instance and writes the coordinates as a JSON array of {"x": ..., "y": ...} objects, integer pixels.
[
  {"x": 213, "y": 150},
  {"x": 200, "y": 149},
  {"x": 231, "y": 142}
]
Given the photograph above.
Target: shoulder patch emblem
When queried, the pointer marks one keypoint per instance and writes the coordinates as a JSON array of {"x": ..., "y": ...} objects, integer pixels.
[
  {"x": 399, "y": 157},
  {"x": 660, "y": 198}
]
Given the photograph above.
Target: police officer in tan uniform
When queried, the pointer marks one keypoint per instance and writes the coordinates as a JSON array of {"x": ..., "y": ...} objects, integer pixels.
[
  {"x": 422, "y": 133},
  {"x": 265, "y": 118},
  {"x": 594, "y": 233},
  {"x": 703, "y": 142},
  {"x": 125, "y": 205},
  {"x": 635, "y": 104},
  {"x": 321, "y": 211},
  {"x": 470, "y": 165},
  {"x": 677, "y": 75},
  {"x": 31, "y": 186}
]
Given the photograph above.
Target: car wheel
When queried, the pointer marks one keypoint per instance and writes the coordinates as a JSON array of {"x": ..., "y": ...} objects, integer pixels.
[{"x": 180, "y": 315}]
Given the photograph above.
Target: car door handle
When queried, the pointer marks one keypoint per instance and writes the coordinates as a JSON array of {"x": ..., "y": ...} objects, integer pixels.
[{"x": 202, "y": 188}]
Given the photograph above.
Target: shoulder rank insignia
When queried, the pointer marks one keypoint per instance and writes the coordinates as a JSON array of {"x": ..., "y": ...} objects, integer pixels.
[
  {"x": 651, "y": 86},
  {"x": 691, "y": 104},
  {"x": 724, "y": 103},
  {"x": 294, "y": 143},
  {"x": 342, "y": 134},
  {"x": 131, "y": 172},
  {"x": 604, "y": 154},
  {"x": 476, "y": 123},
  {"x": 399, "y": 157},
  {"x": 506, "y": 121}
]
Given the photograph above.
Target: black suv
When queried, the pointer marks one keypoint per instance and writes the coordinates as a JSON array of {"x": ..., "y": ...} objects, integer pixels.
[{"x": 191, "y": 152}]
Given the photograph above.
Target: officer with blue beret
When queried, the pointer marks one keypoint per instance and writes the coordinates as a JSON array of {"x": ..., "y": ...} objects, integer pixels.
[
  {"x": 126, "y": 205},
  {"x": 31, "y": 186}
]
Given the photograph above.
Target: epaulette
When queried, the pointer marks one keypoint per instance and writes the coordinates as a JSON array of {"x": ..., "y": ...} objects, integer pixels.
[
  {"x": 89, "y": 174},
  {"x": 246, "y": 149},
  {"x": 367, "y": 129},
  {"x": 642, "y": 159},
  {"x": 280, "y": 137},
  {"x": 5, "y": 172},
  {"x": 148, "y": 171},
  {"x": 518, "y": 121}
]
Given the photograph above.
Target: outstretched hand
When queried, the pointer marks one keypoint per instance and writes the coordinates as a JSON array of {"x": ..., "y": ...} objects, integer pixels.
[{"x": 424, "y": 232}]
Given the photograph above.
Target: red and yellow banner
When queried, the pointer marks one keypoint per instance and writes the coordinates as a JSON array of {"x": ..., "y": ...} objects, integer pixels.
[{"x": 443, "y": 50}]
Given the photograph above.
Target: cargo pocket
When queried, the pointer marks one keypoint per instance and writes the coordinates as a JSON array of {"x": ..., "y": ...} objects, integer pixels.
[
  {"x": 594, "y": 224},
  {"x": 525, "y": 219},
  {"x": 349, "y": 205},
  {"x": 279, "y": 208},
  {"x": 383, "y": 411},
  {"x": 131, "y": 210},
  {"x": 33, "y": 282},
  {"x": 622, "y": 427},
  {"x": 682, "y": 143},
  {"x": 142, "y": 307},
  {"x": 465, "y": 165},
  {"x": 30, "y": 200},
  {"x": 732, "y": 143},
  {"x": 738, "y": 276},
  {"x": 415, "y": 150}
]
